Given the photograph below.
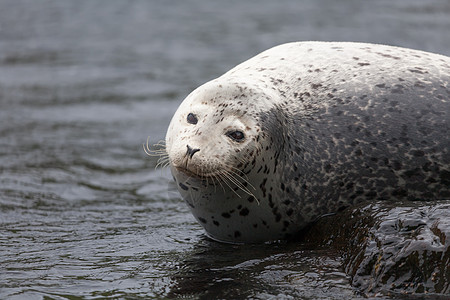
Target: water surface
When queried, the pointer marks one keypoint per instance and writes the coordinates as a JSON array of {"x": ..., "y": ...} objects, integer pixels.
[{"x": 83, "y": 84}]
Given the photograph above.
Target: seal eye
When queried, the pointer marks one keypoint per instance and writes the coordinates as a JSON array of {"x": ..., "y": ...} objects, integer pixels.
[
  {"x": 192, "y": 119},
  {"x": 237, "y": 135}
]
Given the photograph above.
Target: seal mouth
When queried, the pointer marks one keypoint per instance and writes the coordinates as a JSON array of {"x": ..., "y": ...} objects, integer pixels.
[{"x": 193, "y": 174}]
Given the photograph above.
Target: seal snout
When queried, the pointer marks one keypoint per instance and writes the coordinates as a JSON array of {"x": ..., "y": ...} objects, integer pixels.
[{"x": 191, "y": 151}]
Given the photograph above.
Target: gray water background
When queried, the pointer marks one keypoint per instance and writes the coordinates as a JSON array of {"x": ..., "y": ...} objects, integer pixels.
[{"x": 83, "y": 212}]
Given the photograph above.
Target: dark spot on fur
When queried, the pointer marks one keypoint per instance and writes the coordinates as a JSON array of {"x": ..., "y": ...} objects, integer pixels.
[
  {"x": 263, "y": 187},
  {"x": 226, "y": 215},
  {"x": 277, "y": 217},
  {"x": 244, "y": 211},
  {"x": 183, "y": 186},
  {"x": 416, "y": 71}
]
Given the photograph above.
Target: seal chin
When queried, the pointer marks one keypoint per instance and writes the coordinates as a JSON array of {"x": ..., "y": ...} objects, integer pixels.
[{"x": 188, "y": 172}]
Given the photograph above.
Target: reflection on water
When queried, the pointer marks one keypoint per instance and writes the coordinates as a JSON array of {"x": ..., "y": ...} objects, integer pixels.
[
  {"x": 83, "y": 84},
  {"x": 286, "y": 271}
]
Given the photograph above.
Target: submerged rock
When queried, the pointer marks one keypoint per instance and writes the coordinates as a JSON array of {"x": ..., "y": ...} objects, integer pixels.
[{"x": 387, "y": 249}]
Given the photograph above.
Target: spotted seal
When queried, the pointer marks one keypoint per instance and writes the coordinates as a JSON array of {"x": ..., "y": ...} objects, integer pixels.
[{"x": 306, "y": 129}]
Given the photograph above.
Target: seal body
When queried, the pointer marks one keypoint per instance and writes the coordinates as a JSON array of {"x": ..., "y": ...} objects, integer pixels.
[{"x": 306, "y": 129}]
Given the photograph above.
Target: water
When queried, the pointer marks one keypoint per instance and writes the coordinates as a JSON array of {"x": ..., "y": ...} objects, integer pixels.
[{"x": 83, "y": 212}]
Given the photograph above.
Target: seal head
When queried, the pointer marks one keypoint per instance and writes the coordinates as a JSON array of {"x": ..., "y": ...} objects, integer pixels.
[{"x": 219, "y": 145}]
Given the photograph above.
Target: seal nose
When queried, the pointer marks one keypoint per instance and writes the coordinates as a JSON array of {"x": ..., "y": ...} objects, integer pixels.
[{"x": 191, "y": 151}]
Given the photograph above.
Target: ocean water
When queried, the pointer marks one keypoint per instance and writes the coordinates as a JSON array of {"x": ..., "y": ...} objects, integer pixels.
[{"x": 84, "y": 214}]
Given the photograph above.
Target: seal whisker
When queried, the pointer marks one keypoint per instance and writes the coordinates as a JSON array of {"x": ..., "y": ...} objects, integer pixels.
[
  {"x": 225, "y": 179},
  {"x": 240, "y": 186},
  {"x": 163, "y": 156},
  {"x": 244, "y": 177},
  {"x": 238, "y": 183},
  {"x": 155, "y": 152},
  {"x": 146, "y": 149},
  {"x": 244, "y": 159},
  {"x": 202, "y": 172},
  {"x": 192, "y": 197},
  {"x": 220, "y": 183},
  {"x": 219, "y": 179},
  {"x": 163, "y": 162},
  {"x": 161, "y": 143},
  {"x": 214, "y": 178}
]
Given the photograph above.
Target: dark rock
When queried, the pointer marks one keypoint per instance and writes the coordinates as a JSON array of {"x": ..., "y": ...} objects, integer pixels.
[{"x": 392, "y": 249}]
